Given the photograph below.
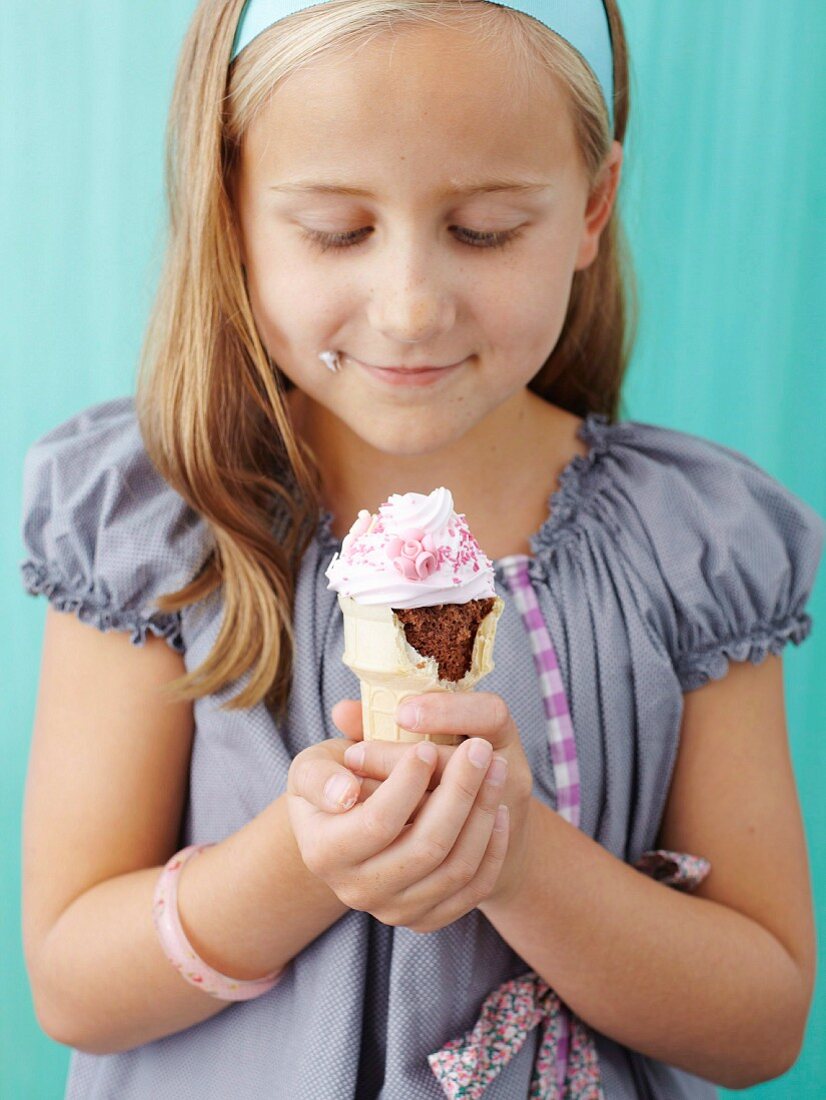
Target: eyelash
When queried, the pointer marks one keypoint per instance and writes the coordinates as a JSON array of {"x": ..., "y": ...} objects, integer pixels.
[{"x": 325, "y": 241}]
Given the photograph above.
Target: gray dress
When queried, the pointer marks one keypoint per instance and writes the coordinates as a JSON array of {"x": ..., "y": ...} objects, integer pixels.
[{"x": 664, "y": 555}]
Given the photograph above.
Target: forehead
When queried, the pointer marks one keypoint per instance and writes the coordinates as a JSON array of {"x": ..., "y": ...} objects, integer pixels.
[{"x": 432, "y": 99}]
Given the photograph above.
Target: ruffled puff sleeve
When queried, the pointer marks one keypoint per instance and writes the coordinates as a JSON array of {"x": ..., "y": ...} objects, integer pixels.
[
  {"x": 738, "y": 554},
  {"x": 104, "y": 533}
]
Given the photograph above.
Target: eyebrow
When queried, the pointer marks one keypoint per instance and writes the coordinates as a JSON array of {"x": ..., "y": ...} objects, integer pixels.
[{"x": 480, "y": 188}]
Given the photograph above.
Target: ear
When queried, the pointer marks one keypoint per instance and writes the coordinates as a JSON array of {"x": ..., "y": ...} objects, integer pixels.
[{"x": 599, "y": 207}]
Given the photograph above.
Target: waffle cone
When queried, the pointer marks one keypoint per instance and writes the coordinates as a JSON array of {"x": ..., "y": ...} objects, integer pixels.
[{"x": 390, "y": 670}]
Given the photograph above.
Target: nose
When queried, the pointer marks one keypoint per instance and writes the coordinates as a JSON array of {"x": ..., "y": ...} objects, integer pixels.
[{"x": 411, "y": 302}]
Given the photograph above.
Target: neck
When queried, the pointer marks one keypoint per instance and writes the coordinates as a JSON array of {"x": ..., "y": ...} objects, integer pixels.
[{"x": 500, "y": 476}]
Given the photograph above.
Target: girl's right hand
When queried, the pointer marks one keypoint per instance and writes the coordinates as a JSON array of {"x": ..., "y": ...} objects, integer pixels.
[{"x": 424, "y": 874}]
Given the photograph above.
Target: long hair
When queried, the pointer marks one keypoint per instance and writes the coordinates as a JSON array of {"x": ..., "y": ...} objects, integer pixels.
[{"x": 210, "y": 401}]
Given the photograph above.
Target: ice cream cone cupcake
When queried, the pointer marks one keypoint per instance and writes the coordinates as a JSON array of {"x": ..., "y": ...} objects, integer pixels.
[{"x": 419, "y": 604}]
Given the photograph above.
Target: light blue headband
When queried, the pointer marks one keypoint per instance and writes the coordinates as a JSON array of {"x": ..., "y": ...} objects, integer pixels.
[{"x": 582, "y": 23}]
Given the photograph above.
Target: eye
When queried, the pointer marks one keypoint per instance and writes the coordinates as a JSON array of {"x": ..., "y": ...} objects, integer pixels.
[
  {"x": 325, "y": 241},
  {"x": 487, "y": 240}
]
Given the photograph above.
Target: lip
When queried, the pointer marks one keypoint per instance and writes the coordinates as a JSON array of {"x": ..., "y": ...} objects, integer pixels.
[{"x": 409, "y": 376}]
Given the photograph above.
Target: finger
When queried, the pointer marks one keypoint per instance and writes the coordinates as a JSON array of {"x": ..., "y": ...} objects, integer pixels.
[
  {"x": 377, "y": 759},
  {"x": 429, "y": 842},
  {"x": 323, "y": 783},
  {"x": 465, "y": 858},
  {"x": 384, "y": 814},
  {"x": 347, "y": 716},
  {"x": 480, "y": 886},
  {"x": 468, "y": 713},
  {"x": 370, "y": 785}
]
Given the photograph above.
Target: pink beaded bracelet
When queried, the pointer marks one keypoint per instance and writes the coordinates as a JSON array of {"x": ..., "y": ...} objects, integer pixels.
[{"x": 179, "y": 950}]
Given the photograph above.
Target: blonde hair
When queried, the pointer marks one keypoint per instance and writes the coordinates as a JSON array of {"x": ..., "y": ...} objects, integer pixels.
[{"x": 211, "y": 403}]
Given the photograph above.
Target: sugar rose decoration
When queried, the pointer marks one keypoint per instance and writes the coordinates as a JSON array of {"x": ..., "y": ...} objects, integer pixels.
[{"x": 414, "y": 555}]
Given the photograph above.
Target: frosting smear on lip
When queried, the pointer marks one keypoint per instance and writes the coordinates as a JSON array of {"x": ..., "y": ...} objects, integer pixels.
[{"x": 415, "y": 552}]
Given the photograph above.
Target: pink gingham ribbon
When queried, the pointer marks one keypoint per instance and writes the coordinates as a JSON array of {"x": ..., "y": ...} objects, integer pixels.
[
  {"x": 567, "y": 1064},
  {"x": 560, "y": 730}
]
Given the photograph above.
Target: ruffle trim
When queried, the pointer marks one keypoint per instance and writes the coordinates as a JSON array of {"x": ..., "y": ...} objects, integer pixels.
[
  {"x": 40, "y": 579},
  {"x": 324, "y": 532},
  {"x": 697, "y": 668},
  {"x": 577, "y": 483}
]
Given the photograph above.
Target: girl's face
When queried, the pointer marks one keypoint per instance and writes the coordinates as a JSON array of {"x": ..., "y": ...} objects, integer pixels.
[{"x": 370, "y": 226}]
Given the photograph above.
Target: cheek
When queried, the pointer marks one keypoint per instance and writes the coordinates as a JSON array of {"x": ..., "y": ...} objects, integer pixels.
[
  {"x": 279, "y": 294},
  {"x": 526, "y": 318},
  {"x": 526, "y": 299},
  {"x": 292, "y": 310}
]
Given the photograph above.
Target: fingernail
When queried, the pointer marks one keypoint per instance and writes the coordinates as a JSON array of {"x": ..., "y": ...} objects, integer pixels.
[
  {"x": 497, "y": 771},
  {"x": 427, "y": 751},
  {"x": 480, "y": 752},
  {"x": 340, "y": 792},
  {"x": 354, "y": 756},
  {"x": 501, "y": 820},
  {"x": 409, "y": 715}
]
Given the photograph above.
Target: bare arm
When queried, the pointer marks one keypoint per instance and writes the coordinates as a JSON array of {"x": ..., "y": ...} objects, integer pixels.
[
  {"x": 718, "y": 983},
  {"x": 105, "y": 794}
]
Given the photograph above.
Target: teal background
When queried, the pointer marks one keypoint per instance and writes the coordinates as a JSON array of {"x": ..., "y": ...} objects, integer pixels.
[{"x": 723, "y": 200}]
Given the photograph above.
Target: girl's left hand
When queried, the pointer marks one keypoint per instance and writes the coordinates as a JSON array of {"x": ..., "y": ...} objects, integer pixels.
[{"x": 471, "y": 714}]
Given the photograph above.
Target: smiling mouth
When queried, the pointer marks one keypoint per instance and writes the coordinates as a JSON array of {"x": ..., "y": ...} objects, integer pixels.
[
  {"x": 409, "y": 376},
  {"x": 412, "y": 370}
]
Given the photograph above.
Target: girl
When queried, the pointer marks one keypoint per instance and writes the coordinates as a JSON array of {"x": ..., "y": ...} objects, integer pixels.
[{"x": 219, "y": 900}]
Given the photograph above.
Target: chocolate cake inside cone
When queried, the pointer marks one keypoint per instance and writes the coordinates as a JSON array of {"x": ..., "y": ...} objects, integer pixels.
[{"x": 446, "y": 632}]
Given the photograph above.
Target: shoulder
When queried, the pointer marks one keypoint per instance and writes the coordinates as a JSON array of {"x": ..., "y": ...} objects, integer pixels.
[
  {"x": 692, "y": 492},
  {"x": 104, "y": 533},
  {"x": 727, "y": 554}
]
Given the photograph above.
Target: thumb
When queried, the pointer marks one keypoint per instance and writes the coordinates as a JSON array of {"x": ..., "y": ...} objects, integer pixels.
[{"x": 347, "y": 716}]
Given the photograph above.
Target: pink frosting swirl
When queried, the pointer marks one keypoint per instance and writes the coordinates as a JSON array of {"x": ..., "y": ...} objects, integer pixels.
[{"x": 415, "y": 552}]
